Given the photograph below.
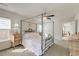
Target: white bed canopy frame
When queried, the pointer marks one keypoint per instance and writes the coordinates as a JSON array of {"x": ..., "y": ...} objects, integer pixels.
[{"x": 42, "y": 29}]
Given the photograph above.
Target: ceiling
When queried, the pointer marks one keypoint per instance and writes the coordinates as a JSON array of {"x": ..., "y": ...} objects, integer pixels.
[{"x": 60, "y": 10}]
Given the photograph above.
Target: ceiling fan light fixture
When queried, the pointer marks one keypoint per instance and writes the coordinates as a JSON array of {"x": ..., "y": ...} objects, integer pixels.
[{"x": 44, "y": 17}]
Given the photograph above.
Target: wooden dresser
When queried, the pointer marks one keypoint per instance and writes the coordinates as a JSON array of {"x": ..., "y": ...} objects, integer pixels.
[
  {"x": 74, "y": 45},
  {"x": 15, "y": 39}
]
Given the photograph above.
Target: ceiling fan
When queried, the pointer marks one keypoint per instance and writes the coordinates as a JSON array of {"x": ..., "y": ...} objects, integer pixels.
[{"x": 47, "y": 16}]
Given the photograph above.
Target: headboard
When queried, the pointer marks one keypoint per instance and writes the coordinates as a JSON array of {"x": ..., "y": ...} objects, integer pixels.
[{"x": 29, "y": 30}]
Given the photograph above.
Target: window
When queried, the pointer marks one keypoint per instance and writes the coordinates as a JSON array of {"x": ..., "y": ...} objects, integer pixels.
[
  {"x": 5, "y": 26},
  {"x": 68, "y": 28},
  {"x": 5, "y": 23}
]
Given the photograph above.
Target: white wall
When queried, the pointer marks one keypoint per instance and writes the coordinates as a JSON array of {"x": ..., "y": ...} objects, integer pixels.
[
  {"x": 78, "y": 25},
  {"x": 73, "y": 27},
  {"x": 27, "y": 25},
  {"x": 77, "y": 18},
  {"x": 58, "y": 29}
]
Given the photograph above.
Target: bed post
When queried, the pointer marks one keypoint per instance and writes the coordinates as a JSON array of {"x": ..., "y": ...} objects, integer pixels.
[
  {"x": 53, "y": 31},
  {"x": 42, "y": 33},
  {"x": 21, "y": 30},
  {"x": 36, "y": 27}
]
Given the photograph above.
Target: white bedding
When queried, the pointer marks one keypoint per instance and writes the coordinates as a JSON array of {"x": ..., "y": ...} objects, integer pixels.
[{"x": 32, "y": 42}]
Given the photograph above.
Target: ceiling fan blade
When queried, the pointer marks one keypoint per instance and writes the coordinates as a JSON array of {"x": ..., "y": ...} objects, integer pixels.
[{"x": 51, "y": 16}]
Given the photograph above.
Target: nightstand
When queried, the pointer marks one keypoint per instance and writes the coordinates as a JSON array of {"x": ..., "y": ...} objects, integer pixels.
[{"x": 15, "y": 39}]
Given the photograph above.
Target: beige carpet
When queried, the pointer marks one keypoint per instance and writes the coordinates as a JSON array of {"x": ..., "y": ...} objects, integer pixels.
[
  {"x": 54, "y": 50},
  {"x": 17, "y": 51},
  {"x": 57, "y": 50}
]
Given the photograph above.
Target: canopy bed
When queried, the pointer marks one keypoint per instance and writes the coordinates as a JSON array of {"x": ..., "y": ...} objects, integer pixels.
[{"x": 37, "y": 33}]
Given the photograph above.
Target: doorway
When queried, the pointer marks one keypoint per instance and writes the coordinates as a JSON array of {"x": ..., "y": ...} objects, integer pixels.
[{"x": 68, "y": 29}]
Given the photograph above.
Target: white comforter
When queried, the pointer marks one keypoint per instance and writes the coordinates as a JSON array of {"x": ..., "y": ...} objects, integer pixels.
[{"x": 32, "y": 41}]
